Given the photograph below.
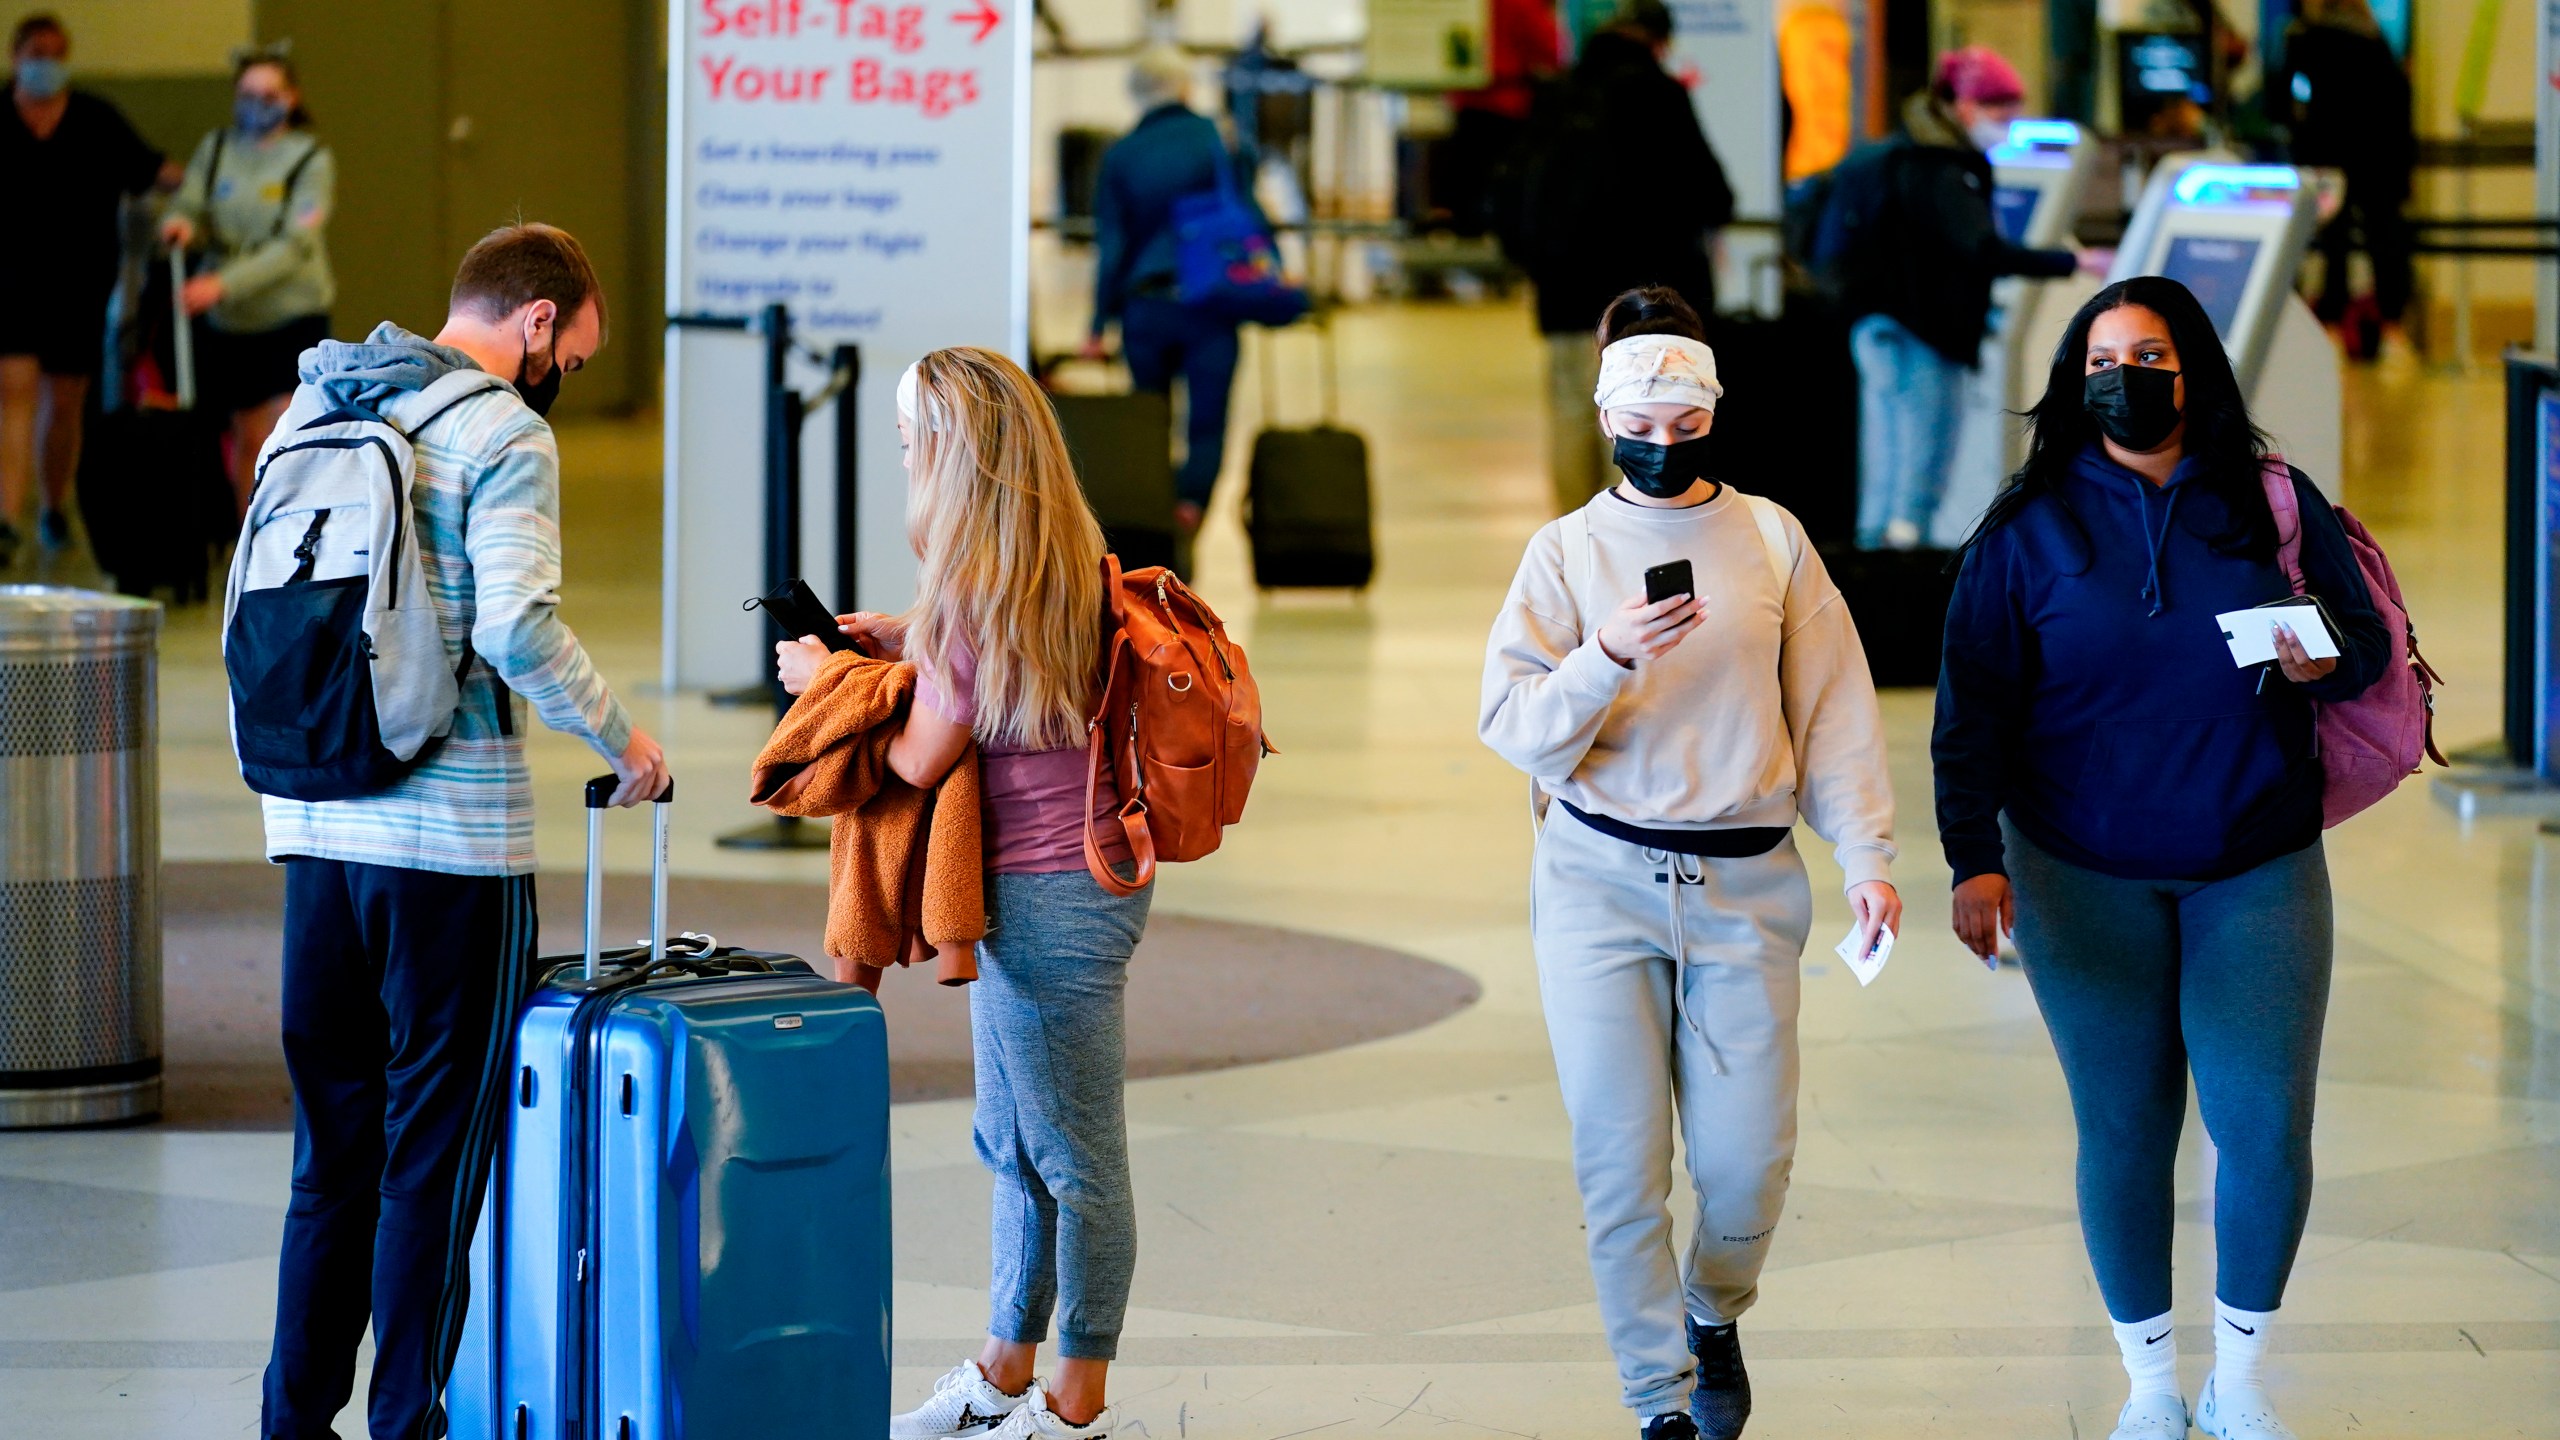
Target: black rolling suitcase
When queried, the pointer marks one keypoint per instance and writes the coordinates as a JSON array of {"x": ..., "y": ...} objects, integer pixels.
[
  {"x": 1122, "y": 445},
  {"x": 1307, "y": 508},
  {"x": 1899, "y": 599},
  {"x": 1787, "y": 427},
  {"x": 153, "y": 493}
]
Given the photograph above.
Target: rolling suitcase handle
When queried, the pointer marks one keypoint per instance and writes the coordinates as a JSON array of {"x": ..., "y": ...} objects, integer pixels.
[
  {"x": 599, "y": 795},
  {"x": 182, "y": 334}
]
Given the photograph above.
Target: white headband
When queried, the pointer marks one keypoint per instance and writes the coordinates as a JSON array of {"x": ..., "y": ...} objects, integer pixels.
[
  {"x": 1657, "y": 370},
  {"x": 907, "y": 394}
]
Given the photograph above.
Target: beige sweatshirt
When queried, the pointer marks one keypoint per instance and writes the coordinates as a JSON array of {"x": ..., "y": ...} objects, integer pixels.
[{"x": 1763, "y": 713}]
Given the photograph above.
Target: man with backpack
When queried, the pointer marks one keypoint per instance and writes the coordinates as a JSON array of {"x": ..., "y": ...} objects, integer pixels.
[
  {"x": 1618, "y": 189},
  {"x": 1909, "y": 240},
  {"x": 405, "y": 537}
]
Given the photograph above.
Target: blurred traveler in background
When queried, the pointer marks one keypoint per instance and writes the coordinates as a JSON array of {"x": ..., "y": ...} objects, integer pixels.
[
  {"x": 1492, "y": 124},
  {"x": 67, "y": 160},
  {"x": 1672, "y": 741},
  {"x": 409, "y": 912},
  {"x": 2146, "y": 815},
  {"x": 1910, "y": 240},
  {"x": 1619, "y": 189},
  {"x": 2348, "y": 100},
  {"x": 256, "y": 201},
  {"x": 1174, "y": 152},
  {"x": 1815, "y": 48}
]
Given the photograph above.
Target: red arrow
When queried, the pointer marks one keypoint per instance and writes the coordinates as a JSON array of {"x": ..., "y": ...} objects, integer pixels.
[{"x": 986, "y": 17}]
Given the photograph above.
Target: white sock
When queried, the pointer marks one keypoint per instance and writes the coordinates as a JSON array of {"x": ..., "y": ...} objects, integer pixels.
[
  {"x": 2150, "y": 1349},
  {"x": 2239, "y": 1341}
]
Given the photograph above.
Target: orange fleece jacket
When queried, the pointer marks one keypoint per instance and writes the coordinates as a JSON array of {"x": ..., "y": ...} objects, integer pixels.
[{"x": 907, "y": 879}]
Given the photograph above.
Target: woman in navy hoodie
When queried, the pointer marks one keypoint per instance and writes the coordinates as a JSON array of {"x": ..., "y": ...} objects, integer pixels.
[{"x": 2146, "y": 815}]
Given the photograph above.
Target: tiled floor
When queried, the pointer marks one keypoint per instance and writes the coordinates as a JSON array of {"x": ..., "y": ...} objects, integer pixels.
[{"x": 1387, "y": 1237}]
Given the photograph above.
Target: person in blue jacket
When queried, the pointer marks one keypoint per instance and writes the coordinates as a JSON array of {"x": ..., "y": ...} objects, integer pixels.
[
  {"x": 1174, "y": 152},
  {"x": 2144, "y": 814}
]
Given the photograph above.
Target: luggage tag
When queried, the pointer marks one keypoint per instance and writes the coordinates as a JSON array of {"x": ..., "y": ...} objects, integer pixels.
[{"x": 1871, "y": 964}]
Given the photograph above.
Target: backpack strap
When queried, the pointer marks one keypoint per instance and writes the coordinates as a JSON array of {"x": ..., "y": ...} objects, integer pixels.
[
  {"x": 1773, "y": 544},
  {"x": 284, "y": 202},
  {"x": 2284, "y": 503},
  {"x": 448, "y": 391},
  {"x": 1576, "y": 534},
  {"x": 1132, "y": 814}
]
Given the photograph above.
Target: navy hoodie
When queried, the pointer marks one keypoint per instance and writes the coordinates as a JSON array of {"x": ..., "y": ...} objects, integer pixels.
[{"x": 2088, "y": 692}]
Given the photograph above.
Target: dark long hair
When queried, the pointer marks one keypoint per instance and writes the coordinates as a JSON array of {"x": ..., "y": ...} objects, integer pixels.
[
  {"x": 2229, "y": 451},
  {"x": 1648, "y": 310}
]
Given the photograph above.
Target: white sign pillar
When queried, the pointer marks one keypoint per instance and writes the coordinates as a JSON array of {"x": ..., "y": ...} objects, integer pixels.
[
  {"x": 867, "y": 165},
  {"x": 1726, "y": 52}
]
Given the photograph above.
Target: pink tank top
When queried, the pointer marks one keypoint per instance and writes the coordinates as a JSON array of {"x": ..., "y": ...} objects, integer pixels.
[{"x": 1032, "y": 823}]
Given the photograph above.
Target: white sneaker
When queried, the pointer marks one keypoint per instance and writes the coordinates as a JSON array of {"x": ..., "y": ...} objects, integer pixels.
[
  {"x": 2151, "y": 1417},
  {"x": 1034, "y": 1420},
  {"x": 2244, "y": 1414},
  {"x": 964, "y": 1403}
]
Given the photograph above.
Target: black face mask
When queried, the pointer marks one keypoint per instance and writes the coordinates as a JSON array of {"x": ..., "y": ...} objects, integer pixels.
[
  {"x": 538, "y": 394},
  {"x": 2136, "y": 405},
  {"x": 1660, "y": 471}
]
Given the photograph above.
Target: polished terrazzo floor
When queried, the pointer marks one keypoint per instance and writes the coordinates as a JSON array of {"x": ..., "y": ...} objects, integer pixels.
[{"x": 1386, "y": 1237}]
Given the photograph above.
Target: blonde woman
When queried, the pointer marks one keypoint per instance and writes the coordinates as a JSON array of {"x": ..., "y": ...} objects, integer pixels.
[{"x": 1005, "y": 634}]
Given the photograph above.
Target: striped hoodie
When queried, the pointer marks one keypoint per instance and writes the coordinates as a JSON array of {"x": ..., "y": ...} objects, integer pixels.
[{"x": 487, "y": 502}]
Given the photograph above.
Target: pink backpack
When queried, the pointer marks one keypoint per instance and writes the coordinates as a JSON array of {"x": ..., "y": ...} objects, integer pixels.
[{"x": 2370, "y": 744}]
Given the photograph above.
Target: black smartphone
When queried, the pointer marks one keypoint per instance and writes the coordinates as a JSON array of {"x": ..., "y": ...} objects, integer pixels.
[
  {"x": 1664, "y": 581},
  {"x": 796, "y": 610}
]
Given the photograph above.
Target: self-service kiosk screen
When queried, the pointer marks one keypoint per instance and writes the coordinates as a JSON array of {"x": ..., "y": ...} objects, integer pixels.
[
  {"x": 2012, "y": 206},
  {"x": 2216, "y": 268}
]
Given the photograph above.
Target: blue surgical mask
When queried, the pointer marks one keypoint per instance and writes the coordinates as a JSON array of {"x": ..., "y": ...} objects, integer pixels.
[
  {"x": 41, "y": 77},
  {"x": 258, "y": 118}
]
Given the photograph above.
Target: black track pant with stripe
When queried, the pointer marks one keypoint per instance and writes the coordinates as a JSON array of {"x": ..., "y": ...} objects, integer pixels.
[{"x": 400, "y": 992}]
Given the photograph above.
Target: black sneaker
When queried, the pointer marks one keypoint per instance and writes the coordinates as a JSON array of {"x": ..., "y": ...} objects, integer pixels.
[
  {"x": 1674, "y": 1426},
  {"x": 1721, "y": 1404}
]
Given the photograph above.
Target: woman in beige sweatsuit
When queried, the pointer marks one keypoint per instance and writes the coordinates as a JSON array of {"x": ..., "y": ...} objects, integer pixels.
[{"x": 1673, "y": 747}]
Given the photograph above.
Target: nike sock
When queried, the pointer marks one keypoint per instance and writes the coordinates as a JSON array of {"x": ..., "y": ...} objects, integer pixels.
[
  {"x": 2150, "y": 1350},
  {"x": 2239, "y": 1342}
]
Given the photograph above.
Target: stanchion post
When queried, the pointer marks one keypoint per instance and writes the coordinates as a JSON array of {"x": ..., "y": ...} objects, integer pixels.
[{"x": 848, "y": 366}]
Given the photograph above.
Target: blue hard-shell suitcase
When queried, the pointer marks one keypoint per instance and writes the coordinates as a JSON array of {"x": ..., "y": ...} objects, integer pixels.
[{"x": 686, "y": 1235}]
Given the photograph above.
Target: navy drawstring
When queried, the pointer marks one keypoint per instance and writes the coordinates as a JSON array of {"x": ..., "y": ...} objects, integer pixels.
[{"x": 2168, "y": 515}]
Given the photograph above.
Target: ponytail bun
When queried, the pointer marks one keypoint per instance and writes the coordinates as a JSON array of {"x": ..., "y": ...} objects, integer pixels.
[{"x": 1649, "y": 310}]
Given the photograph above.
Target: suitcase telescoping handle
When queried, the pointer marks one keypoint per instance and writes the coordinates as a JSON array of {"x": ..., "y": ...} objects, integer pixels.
[
  {"x": 182, "y": 330},
  {"x": 599, "y": 795}
]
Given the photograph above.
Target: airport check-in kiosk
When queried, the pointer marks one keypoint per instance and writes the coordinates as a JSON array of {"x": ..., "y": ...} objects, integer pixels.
[
  {"x": 2235, "y": 235},
  {"x": 2036, "y": 184}
]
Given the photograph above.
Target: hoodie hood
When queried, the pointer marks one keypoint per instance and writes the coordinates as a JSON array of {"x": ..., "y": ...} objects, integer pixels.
[{"x": 370, "y": 373}]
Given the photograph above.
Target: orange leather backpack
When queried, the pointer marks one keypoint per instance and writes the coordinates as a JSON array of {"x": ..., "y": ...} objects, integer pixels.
[{"x": 1178, "y": 717}]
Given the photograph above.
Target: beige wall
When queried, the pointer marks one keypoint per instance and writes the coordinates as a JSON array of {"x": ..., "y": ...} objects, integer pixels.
[
  {"x": 449, "y": 117},
  {"x": 148, "y": 37},
  {"x": 2502, "y": 290}
]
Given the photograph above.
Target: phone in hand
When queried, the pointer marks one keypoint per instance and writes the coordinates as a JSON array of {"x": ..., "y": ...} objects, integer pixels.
[
  {"x": 1662, "y": 582},
  {"x": 797, "y": 611}
]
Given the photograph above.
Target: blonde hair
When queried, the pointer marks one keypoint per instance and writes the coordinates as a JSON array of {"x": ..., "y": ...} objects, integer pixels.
[{"x": 1009, "y": 554}]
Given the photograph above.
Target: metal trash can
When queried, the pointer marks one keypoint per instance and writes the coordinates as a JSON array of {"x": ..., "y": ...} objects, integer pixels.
[{"x": 79, "y": 857}]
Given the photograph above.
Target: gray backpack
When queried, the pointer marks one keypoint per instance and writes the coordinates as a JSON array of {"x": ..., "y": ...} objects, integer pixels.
[{"x": 339, "y": 683}]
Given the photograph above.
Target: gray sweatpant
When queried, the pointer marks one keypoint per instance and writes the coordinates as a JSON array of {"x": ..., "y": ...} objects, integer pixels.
[
  {"x": 1046, "y": 1023},
  {"x": 1638, "y": 1034}
]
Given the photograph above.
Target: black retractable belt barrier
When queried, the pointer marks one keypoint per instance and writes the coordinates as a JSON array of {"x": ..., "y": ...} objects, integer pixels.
[{"x": 785, "y": 411}]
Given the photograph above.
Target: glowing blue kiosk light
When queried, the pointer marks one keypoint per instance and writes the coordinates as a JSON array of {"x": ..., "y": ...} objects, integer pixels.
[{"x": 2211, "y": 184}]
